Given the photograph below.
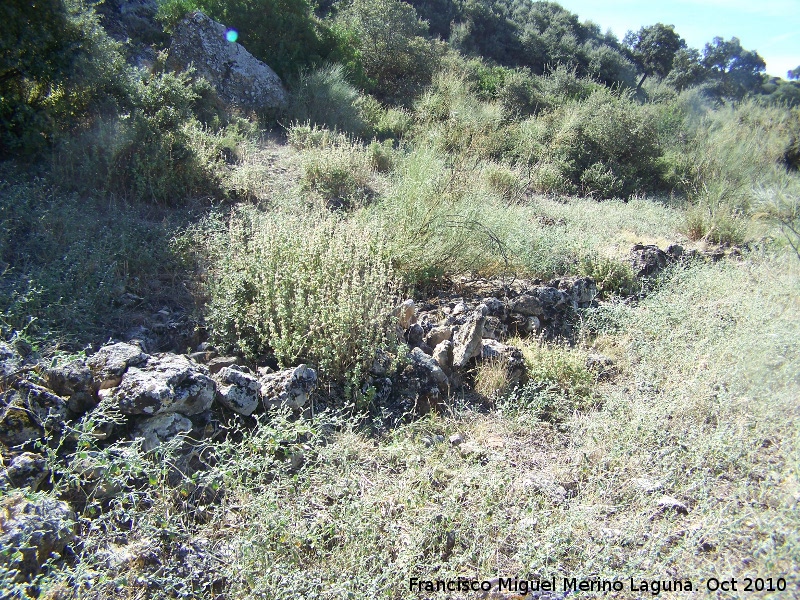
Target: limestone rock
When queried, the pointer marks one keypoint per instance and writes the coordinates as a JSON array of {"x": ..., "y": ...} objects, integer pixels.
[
  {"x": 443, "y": 355},
  {"x": 581, "y": 290},
  {"x": 467, "y": 341},
  {"x": 290, "y": 387},
  {"x": 25, "y": 470},
  {"x": 239, "y": 78},
  {"x": 109, "y": 363},
  {"x": 167, "y": 383},
  {"x": 17, "y": 423},
  {"x": 31, "y": 531},
  {"x": 438, "y": 334},
  {"x": 73, "y": 380},
  {"x": 406, "y": 314},
  {"x": 49, "y": 409},
  {"x": 238, "y": 391},
  {"x": 161, "y": 428},
  {"x": 648, "y": 260},
  {"x": 431, "y": 366}
]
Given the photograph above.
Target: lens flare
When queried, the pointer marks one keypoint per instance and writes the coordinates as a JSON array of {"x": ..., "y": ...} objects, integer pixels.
[{"x": 231, "y": 35}]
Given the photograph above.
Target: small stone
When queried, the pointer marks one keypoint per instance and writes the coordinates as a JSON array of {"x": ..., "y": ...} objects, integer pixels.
[
  {"x": 646, "y": 485},
  {"x": 406, "y": 314},
  {"x": 290, "y": 387},
  {"x": 215, "y": 365},
  {"x": 456, "y": 439},
  {"x": 32, "y": 531},
  {"x": 439, "y": 334},
  {"x": 239, "y": 391},
  {"x": 668, "y": 502},
  {"x": 26, "y": 470}
]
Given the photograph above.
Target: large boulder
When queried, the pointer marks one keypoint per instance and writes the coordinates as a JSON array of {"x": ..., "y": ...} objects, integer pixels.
[
  {"x": 168, "y": 383},
  {"x": 238, "y": 77}
]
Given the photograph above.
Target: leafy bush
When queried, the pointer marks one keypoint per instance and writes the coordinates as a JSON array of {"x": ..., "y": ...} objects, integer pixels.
[
  {"x": 606, "y": 146},
  {"x": 57, "y": 68},
  {"x": 302, "y": 289},
  {"x": 453, "y": 120},
  {"x": 158, "y": 151},
  {"x": 396, "y": 61},
  {"x": 559, "y": 381},
  {"x": 612, "y": 277},
  {"x": 338, "y": 172}
]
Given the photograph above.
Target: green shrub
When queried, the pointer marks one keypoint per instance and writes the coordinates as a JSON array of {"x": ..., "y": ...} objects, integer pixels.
[
  {"x": 612, "y": 276},
  {"x": 302, "y": 289},
  {"x": 339, "y": 173},
  {"x": 559, "y": 381},
  {"x": 453, "y": 120},
  {"x": 396, "y": 61},
  {"x": 58, "y": 68},
  {"x": 158, "y": 151},
  {"x": 381, "y": 156},
  {"x": 605, "y": 146}
]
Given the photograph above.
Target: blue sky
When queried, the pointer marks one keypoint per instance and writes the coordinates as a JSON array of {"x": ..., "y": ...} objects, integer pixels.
[{"x": 771, "y": 27}]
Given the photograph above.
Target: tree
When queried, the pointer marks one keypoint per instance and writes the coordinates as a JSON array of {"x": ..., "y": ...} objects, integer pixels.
[
  {"x": 794, "y": 73},
  {"x": 653, "y": 50},
  {"x": 736, "y": 71},
  {"x": 687, "y": 69}
]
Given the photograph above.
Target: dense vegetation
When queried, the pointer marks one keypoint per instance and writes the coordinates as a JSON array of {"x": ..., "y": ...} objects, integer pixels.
[{"x": 422, "y": 142}]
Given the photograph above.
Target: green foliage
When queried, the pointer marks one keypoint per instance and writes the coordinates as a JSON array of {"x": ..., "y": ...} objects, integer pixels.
[
  {"x": 302, "y": 289},
  {"x": 396, "y": 60},
  {"x": 654, "y": 49},
  {"x": 733, "y": 70},
  {"x": 606, "y": 146},
  {"x": 324, "y": 97},
  {"x": 454, "y": 120},
  {"x": 338, "y": 172},
  {"x": 559, "y": 382},
  {"x": 57, "y": 67},
  {"x": 613, "y": 278},
  {"x": 158, "y": 151}
]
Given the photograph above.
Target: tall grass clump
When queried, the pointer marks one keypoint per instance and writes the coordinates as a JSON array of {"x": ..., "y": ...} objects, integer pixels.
[
  {"x": 735, "y": 152},
  {"x": 435, "y": 225},
  {"x": 452, "y": 119},
  {"x": 308, "y": 289},
  {"x": 338, "y": 172},
  {"x": 324, "y": 97}
]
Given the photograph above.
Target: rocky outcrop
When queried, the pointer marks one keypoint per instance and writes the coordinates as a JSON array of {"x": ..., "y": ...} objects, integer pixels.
[
  {"x": 110, "y": 363},
  {"x": 238, "y": 77}
]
